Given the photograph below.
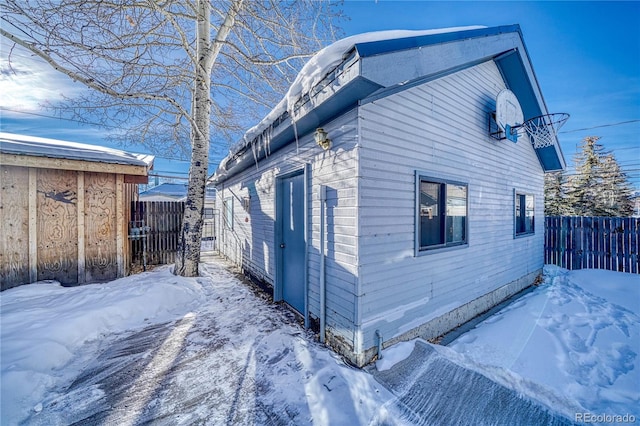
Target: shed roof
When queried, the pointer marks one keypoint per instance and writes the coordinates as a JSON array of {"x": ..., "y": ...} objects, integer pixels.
[
  {"x": 30, "y": 151},
  {"x": 374, "y": 65}
]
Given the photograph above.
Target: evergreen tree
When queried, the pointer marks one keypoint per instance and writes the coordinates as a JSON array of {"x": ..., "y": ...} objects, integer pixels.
[
  {"x": 555, "y": 203},
  {"x": 617, "y": 191},
  {"x": 582, "y": 194},
  {"x": 599, "y": 187}
]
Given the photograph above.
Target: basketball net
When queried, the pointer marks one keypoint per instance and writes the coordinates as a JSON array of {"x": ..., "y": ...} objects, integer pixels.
[{"x": 542, "y": 130}]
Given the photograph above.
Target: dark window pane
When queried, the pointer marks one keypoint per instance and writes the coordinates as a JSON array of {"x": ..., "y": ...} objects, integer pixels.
[
  {"x": 524, "y": 214},
  {"x": 529, "y": 213},
  {"x": 456, "y": 213},
  {"x": 519, "y": 221},
  {"x": 430, "y": 217}
]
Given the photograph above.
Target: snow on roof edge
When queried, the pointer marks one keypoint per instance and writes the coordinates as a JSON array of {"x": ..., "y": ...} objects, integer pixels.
[
  {"x": 55, "y": 148},
  {"x": 323, "y": 62}
]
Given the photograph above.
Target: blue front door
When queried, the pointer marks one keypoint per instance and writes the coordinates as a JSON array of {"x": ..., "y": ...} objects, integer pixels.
[{"x": 292, "y": 245}]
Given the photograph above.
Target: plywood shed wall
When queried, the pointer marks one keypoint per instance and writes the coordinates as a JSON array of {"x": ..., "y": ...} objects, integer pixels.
[{"x": 65, "y": 225}]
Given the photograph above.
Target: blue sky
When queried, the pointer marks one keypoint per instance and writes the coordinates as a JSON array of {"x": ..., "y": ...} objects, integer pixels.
[{"x": 586, "y": 56}]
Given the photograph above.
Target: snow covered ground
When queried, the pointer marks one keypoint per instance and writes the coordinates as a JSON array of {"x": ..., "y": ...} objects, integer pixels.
[
  {"x": 105, "y": 354},
  {"x": 211, "y": 350},
  {"x": 577, "y": 335}
]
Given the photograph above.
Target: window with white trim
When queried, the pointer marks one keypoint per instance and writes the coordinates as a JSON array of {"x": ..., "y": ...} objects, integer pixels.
[
  {"x": 524, "y": 214},
  {"x": 442, "y": 213}
]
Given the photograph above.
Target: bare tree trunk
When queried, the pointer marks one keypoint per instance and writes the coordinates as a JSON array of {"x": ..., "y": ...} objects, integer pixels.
[
  {"x": 191, "y": 233},
  {"x": 189, "y": 254}
]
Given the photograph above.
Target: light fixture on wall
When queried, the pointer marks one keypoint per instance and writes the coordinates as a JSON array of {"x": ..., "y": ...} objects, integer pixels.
[{"x": 321, "y": 138}]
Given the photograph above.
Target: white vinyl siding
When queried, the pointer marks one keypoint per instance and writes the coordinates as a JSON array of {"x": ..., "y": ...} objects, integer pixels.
[
  {"x": 439, "y": 128},
  {"x": 375, "y": 279},
  {"x": 252, "y": 244}
]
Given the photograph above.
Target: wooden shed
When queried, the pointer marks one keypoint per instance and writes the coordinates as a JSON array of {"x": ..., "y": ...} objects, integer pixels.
[
  {"x": 378, "y": 204},
  {"x": 64, "y": 210}
]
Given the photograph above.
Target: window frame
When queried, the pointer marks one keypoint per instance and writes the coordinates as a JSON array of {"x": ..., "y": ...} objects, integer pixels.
[
  {"x": 228, "y": 213},
  {"x": 445, "y": 246},
  {"x": 520, "y": 214},
  {"x": 208, "y": 213}
]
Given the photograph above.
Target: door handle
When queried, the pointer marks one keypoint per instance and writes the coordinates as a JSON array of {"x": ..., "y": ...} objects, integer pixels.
[{"x": 281, "y": 245}]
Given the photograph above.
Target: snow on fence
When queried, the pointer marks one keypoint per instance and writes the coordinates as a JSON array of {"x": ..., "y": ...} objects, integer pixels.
[
  {"x": 164, "y": 219},
  {"x": 575, "y": 242}
]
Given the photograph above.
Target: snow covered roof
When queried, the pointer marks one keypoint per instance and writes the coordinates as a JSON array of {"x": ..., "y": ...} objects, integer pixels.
[
  {"x": 354, "y": 68},
  {"x": 328, "y": 58},
  {"x": 173, "y": 191},
  {"x": 22, "y": 145}
]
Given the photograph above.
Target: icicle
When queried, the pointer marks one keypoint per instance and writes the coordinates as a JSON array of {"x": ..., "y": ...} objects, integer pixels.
[
  {"x": 255, "y": 155},
  {"x": 244, "y": 145},
  {"x": 295, "y": 133},
  {"x": 267, "y": 144}
]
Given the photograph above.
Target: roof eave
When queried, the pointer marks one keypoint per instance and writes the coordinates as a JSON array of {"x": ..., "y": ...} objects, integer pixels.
[
  {"x": 518, "y": 74},
  {"x": 497, "y": 43},
  {"x": 45, "y": 162},
  {"x": 317, "y": 110},
  {"x": 373, "y": 48},
  {"x": 20, "y": 148}
]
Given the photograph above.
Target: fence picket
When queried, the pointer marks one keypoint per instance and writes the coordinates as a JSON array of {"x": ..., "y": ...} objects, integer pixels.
[
  {"x": 620, "y": 245},
  {"x": 593, "y": 242},
  {"x": 565, "y": 232},
  {"x": 634, "y": 246},
  {"x": 587, "y": 235},
  {"x": 608, "y": 247}
]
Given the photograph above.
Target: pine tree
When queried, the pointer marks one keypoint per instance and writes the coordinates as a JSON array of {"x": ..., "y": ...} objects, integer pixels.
[
  {"x": 599, "y": 187},
  {"x": 582, "y": 195},
  {"x": 617, "y": 191},
  {"x": 555, "y": 203}
]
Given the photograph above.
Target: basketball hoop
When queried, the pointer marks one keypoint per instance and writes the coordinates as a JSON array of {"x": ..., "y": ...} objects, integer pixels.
[
  {"x": 543, "y": 129},
  {"x": 508, "y": 122}
]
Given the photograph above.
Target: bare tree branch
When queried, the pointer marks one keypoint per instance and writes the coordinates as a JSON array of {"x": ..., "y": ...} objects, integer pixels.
[{"x": 170, "y": 73}]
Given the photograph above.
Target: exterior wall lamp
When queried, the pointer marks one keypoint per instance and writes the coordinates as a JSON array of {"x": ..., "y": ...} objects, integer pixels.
[{"x": 321, "y": 138}]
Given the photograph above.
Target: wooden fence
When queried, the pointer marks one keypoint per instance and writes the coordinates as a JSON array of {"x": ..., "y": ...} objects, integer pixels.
[
  {"x": 164, "y": 219},
  {"x": 593, "y": 242}
]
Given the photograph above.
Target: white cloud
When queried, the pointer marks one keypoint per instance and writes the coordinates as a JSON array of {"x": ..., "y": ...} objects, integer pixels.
[{"x": 27, "y": 82}]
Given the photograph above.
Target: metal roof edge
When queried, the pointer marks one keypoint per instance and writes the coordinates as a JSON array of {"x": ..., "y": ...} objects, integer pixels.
[
  {"x": 393, "y": 45},
  {"x": 18, "y": 144}
]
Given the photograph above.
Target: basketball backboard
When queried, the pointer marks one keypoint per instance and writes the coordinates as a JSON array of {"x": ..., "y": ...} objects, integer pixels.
[{"x": 508, "y": 114}]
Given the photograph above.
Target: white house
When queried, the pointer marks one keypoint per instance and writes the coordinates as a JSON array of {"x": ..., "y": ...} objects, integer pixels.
[{"x": 414, "y": 219}]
